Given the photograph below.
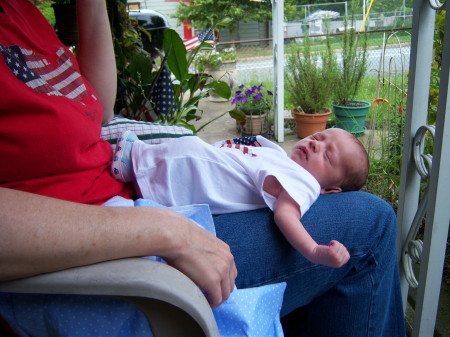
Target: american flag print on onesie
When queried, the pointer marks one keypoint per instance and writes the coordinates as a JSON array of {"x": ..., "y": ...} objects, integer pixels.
[{"x": 242, "y": 143}]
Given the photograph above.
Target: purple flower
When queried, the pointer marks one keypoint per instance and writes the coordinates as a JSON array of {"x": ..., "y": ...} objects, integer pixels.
[
  {"x": 241, "y": 86},
  {"x": 269, "y": 93},
  {"x": 248, "y": 92},
  {"x": 232, "y": 82},
  {"x": 258, "y": 96}
]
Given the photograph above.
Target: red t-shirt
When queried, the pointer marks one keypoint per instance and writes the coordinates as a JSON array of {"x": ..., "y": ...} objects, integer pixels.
[{"x": 50, "y": 116}]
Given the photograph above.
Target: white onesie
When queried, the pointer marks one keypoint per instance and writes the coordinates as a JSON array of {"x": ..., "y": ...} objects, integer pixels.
[{"x": 229, "y": 179}]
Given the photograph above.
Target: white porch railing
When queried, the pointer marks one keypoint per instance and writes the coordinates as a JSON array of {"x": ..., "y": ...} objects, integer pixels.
[{"x": 434, "y": 168}]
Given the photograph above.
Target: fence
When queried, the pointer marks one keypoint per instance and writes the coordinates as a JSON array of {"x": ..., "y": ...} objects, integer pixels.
[{"x": 255, "y": 57}]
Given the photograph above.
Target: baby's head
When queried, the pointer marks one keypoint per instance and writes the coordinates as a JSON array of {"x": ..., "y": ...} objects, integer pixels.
[{"x": 335, "y": 157}]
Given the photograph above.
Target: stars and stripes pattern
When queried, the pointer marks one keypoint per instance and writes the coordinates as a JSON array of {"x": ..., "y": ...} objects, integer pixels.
[
  {"x": 205, "y": 36},
  {"x": 249, "y": 141},
  {"x": 162, "y": 95},
  {"x": 43, "y": 77},
  {"x": 242, "y": 143}
]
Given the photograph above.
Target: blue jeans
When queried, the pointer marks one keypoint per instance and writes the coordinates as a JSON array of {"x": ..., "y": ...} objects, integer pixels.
[{"x": 362, "y": 298}]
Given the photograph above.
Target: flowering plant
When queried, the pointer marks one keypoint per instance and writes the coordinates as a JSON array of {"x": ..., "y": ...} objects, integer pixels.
[
  {"x": 214, "y": 58},
  {"x": 254, "y": 97}
]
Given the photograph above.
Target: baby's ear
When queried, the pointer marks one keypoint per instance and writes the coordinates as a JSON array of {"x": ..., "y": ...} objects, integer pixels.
[{"x": 328, "y": 190}]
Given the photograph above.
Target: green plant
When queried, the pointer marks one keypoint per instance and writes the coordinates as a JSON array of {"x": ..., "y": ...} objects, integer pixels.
[
  {"x": 353, "y": 67},
  {"x": 47, "y": 10},
  {"x": 254, "y": 97},
  {"x": 310, "y": 77},
  {"x": 214, "y": 58},
  {"x": 64, "y": 2},
  {"x": 249, "y": 99},
  {"x": 137, "y": 75},
  {"x": 189, "y": 88},
  {"x": 436, "y": 65},
  {"x": 134, "y": 68}
]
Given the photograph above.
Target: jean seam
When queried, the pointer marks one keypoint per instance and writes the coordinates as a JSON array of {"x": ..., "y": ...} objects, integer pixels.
[{"x": 278, "y": 278}]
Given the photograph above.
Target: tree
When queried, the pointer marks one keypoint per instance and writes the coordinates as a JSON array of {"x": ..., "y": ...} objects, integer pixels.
[{"x": 208, "y": 13}]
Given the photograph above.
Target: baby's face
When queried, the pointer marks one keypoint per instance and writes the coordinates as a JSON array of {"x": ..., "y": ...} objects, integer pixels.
[{"x": 326, "y": 155}]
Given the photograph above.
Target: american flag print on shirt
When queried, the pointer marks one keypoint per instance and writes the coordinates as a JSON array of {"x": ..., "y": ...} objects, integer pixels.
[
  {"x": 43, "y": 77},
  {"x": 243, "y": 148},
  {"x": 242, "y": 143}
]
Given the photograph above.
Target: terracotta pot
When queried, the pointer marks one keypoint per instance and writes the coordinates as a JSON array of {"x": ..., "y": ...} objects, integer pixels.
[
  {"x": 254, "y": 125},
  {"x": 307, "y": 124}
]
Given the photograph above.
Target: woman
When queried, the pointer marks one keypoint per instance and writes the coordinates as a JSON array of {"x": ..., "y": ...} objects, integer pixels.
[{"x": 49, "y": 195}]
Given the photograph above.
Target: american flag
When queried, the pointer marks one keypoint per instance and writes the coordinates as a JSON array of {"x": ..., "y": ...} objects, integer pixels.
[
  {"x": 43, "y": 77},
  {"x": 249, "y": 141},
  {"x": 205, "y": 36},
  {"x": 241, "y": 143}
]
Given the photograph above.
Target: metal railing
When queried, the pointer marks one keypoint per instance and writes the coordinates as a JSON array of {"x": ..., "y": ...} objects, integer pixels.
[{"x": 417, "y": 165}]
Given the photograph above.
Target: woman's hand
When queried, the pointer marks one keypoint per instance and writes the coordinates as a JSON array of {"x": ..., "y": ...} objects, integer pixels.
[
  {"x": 41, "y": 234},
  {"x": 207, "y": 261}
]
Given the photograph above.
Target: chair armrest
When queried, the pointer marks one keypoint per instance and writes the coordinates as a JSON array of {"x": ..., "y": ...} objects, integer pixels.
[{"x": 173, "y": 304}]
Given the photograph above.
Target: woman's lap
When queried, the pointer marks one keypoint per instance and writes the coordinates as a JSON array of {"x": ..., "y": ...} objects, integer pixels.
[{"x": 364, "y": 292}]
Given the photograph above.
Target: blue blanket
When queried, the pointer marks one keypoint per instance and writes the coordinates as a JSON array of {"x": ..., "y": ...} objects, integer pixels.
[{"x": 248, "y": 312}]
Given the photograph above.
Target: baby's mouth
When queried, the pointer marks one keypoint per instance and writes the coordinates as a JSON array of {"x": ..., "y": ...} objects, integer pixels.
[{"x": 304, "y": 152}]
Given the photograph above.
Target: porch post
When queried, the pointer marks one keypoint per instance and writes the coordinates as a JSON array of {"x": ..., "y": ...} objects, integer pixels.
[
  {"x": 278, "y": 67},
  {"x": 438, "y": 211},
  {"x": 416, "y": 116}
]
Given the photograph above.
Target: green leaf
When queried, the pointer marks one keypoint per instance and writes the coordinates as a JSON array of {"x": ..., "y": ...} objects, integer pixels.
[
  {"x": 176, "y": 54},
  {"x": 220, "y": 88},
  {"x": 237, "y": 114},
  {"x": 141, "y": 64},
  {"x": 226, "y": 21}
]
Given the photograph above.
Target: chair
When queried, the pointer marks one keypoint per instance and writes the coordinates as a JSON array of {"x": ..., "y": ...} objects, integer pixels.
[{"x": 172, "y": 303}]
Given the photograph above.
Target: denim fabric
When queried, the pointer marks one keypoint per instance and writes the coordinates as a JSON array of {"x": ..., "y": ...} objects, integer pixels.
[
  {"x": 252, "y": 312},
  {"x": 362, "y": 298}
]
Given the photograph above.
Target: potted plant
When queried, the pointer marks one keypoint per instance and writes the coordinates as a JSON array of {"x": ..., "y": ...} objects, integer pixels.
[
  {"x": 350, "y": 113},
  {"x": 253, "y": 104},
  {"x": 220, "y": 65},
  {"x": 189, "y": 88},
  {"x": 309, "y": 82},
  {"x": 66, "y": 21},
  {"x": 138, "y": 73}
]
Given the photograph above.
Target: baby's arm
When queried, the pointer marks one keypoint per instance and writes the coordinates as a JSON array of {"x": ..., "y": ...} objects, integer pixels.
[{"x": 287, "y": 217}]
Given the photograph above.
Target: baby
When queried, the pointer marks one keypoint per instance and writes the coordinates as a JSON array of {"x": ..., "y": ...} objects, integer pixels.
[{"x": 236, "y": 177}]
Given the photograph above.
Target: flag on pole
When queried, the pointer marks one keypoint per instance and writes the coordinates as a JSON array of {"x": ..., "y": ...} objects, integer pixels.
[{"x": 205, "y": 36}]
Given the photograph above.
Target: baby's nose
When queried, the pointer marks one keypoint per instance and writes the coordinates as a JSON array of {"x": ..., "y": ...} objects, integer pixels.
[{"x": 314, "y": 144}]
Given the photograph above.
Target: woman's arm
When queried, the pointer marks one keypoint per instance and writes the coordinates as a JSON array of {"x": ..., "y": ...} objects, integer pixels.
[
  {"x": 287, "y": 217},
  {"x": 96, "y": 52},
  {"x": 40, "y": 234}
]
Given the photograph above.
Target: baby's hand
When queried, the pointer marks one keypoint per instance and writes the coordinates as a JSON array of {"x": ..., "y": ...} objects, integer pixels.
[{"x": 334, "y": 255}]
